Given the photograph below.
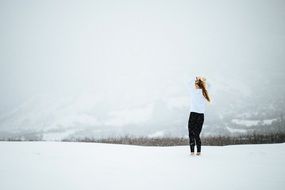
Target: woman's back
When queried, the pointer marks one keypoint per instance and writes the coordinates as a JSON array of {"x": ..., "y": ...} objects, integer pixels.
[{"x": 197, "y": 101}]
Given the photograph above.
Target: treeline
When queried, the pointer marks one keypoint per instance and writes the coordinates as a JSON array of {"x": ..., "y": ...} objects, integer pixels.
[
  {"x": 176, "y": 141},
  {"x": 244, "y": 139},
  {"x": 171, "y": 141},
  {"x": 20, "y": 138}
]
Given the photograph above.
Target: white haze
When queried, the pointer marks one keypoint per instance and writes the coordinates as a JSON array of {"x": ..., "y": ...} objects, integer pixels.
[{"x": 126, "y": 54}]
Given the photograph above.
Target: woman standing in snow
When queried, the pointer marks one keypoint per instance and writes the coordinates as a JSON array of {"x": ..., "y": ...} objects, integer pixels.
[{"x": 198, "y": 98}]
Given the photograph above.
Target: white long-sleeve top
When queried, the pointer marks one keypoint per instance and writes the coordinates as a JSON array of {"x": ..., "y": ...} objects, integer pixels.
[{"x": 197, "y": 100}]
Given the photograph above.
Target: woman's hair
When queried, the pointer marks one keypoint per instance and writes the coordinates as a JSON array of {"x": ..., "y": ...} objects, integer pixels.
[{"x": 202, "y": 84}]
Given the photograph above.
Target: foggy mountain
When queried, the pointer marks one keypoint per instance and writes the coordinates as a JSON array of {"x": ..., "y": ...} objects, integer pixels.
[
  {"x": 108, "y": 68},
  {"x": 87, "y": 115}
]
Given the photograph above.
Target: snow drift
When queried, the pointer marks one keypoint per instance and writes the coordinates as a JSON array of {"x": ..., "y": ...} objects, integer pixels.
[{"x": 74, "y": 166}]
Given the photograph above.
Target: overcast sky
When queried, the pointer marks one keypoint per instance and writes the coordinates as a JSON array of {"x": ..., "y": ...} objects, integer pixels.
[{"x": 136, "y": 50}]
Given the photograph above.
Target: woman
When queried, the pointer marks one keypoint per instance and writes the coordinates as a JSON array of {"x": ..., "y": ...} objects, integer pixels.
[{"x": 198, "y": 98}]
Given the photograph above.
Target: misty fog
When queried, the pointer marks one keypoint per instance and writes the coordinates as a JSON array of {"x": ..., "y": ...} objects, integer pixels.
[{"x": 100, "y": 68}]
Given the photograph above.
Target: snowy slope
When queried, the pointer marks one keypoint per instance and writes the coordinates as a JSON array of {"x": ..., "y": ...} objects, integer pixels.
[
  {"x": 87, "y": 114},
  {"x": 74, "y": 166},
  {"x": 59, "y": 117}
]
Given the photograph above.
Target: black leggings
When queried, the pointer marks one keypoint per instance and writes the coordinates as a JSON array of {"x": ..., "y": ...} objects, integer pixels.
[{"x": 195, "y": 124}]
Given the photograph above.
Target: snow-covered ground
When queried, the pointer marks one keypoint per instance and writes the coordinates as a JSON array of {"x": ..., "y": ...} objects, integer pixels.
[{"x": 84, "y": 166}]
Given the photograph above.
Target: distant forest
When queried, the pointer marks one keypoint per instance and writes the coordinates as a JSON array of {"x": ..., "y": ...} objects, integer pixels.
[{"x": 176, "y": 141}]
